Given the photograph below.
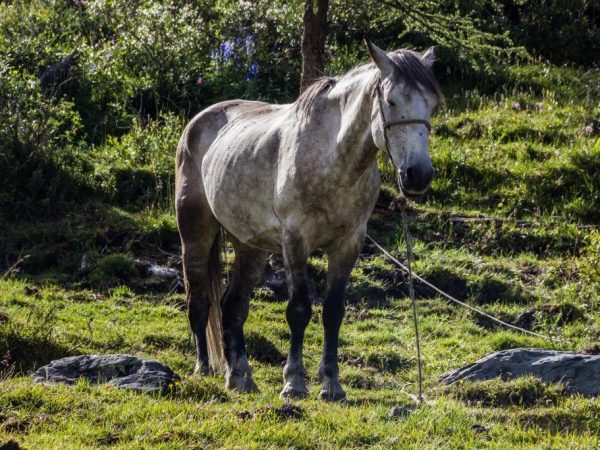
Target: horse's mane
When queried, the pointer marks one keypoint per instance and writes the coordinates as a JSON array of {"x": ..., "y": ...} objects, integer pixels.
[
  {"x": 306, "y": 99},
  {"x": 409, "y": 68}
]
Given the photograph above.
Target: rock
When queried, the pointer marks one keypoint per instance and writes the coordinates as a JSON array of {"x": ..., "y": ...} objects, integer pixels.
[
  {"x": 275, "y": 278},
  {"x": 163, "y": 271},
  {"x": 478, "y": 428},
  {"x": 400, "y": 411},
  {"x": 579, "y": 373},
  {"x": 151, "y": 269},
  {"x": 123, "y": 371},
  {"x": 84, "y": 265}
]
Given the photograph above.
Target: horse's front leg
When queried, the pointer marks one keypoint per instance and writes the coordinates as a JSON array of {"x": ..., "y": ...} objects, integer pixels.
[
  {"x": 342, "y": 256},
  {"x": 298, "y": 313}
]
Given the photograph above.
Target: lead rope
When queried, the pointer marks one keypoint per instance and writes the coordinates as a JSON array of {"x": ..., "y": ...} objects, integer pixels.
[
  {"x": 407, "y": 239},
  {"x": 411, "y": 290}
]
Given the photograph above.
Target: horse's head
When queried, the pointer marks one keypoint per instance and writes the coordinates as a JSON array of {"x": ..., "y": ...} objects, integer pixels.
[{"x": 406, "y": 95}]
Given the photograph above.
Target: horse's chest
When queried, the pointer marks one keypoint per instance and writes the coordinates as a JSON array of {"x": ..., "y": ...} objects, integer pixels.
[{"x": 331, "y": 210}]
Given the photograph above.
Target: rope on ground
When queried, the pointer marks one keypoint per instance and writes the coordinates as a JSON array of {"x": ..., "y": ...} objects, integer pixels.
[{"x": 448, "y": 296}]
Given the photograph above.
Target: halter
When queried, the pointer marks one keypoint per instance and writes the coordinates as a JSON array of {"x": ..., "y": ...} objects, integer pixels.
[{"x": 392, "y": 123}]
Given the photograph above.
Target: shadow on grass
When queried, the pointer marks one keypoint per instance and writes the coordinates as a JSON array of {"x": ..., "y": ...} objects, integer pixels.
[{"x": 28, "y": 348}]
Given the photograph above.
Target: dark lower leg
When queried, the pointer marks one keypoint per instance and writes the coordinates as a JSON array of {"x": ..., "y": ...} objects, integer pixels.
[
  {"x": 198, "y": 307},
  {"x": 195, "y": 267},
  {"x": 247, "y": 272},
  {"x": 298, "y": 315},
  {"x": 333, "y": 313},
  {"x": 341, "y": 261},
  {"x": 235, "y": 309}
]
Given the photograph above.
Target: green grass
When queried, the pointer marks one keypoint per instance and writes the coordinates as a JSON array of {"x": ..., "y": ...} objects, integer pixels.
[{"x": 506, "y": 227}]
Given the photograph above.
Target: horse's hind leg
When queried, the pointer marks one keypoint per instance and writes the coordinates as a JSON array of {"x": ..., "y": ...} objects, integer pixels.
[
  {"x": 198, "y": 229},
  {"x": 342, "y": 256},
  {"x": 248, "y": 270}
]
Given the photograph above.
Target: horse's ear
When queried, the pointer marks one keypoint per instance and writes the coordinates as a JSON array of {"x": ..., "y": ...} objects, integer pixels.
[
  {"x": 428, "y": 57},
  {"x": 380, "y": 58}
]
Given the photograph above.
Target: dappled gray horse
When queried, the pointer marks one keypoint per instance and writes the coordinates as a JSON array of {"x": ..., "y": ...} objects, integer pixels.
[{"x": 290, "y": 179}]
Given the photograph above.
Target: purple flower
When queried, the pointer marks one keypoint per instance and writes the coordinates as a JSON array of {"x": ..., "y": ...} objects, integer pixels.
[
  {"x": 589, "y": 129},
  {"x": 93, "y": 67},
  {"x": 516, "y": 106},
  {"x": 249, "y": 43},
  {"x": 252, "y": 70},
  {"x": 199, "y": 80},
  {"x": 226, "y": 50},
  {"x": 79, "y": 2}
]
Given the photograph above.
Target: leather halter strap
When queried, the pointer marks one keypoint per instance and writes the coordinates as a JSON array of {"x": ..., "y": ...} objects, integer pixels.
[{"x": 407, "y": 122}]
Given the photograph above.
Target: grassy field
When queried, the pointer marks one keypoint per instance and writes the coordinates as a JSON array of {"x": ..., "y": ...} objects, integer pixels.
[{"x": 511, "y": 223}]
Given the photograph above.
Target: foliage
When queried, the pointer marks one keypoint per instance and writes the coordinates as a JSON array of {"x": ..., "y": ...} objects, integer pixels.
[
  {"x": 80, "y": 77},
  {"x": 112, "y": 270}
]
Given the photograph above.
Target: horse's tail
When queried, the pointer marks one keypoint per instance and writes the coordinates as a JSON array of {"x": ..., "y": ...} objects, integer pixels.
[{"x": 214, "y": 330}]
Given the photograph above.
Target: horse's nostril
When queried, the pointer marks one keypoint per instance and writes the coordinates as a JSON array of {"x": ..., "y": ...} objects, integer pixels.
[{"x": 410, "y": 174}]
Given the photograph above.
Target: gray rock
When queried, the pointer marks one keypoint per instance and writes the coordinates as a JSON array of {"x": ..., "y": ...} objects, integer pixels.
[
  {"x": 162, "y": 271},
  {"x": 400, "y": 411},
  {"x": 579, "y": 373},
  {"x": 123, "y": 371}
]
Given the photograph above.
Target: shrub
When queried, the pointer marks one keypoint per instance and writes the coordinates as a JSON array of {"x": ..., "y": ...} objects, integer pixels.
[{"x": 112, "y": 270}]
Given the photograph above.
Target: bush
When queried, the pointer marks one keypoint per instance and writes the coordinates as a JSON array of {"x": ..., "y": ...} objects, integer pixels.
[{"x": 112, "y": 270}]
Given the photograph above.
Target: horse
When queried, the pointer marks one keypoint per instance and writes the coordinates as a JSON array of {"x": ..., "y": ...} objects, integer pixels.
[{"x": 289, "y": 179}]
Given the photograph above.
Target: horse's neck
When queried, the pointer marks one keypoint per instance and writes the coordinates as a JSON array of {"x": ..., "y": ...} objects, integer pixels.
[{"x": 356, "y": 149}]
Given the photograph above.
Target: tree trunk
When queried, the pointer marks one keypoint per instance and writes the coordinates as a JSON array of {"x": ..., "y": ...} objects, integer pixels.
[{"x": 313, "y": 41}]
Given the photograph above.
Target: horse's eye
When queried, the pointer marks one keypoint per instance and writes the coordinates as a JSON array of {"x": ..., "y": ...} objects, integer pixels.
[{"x": 391, "y": 103}]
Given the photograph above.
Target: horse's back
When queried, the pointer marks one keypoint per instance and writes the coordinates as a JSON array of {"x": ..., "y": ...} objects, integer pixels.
[
  {"x": 239, "y": 172},
  {"x": 195, "y": 141},
  {"x": 202, "y": 130}
]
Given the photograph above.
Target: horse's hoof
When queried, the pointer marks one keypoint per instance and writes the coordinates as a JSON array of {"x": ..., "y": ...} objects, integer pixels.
[
  {"x": 291, "y": 391},
  {"x": 332, "y": 394},
  {"x": 242, "y": 384}
]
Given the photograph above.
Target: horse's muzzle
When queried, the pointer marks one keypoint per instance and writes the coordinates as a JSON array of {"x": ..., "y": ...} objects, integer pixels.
[{"x": 415, "y": 180}]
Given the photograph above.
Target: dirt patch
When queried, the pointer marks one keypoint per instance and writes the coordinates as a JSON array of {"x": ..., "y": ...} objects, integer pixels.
[
  {"x": 15, "y": 425},
  {"x": 10, "y": 445},
  {"x": 593, "y": 350},
  {"x": 558, "y": 315},
  {"x": 283, "y": 413}
]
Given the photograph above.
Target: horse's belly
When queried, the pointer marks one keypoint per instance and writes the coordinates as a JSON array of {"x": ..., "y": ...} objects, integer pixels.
[{"x": 258, "y": 231}]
